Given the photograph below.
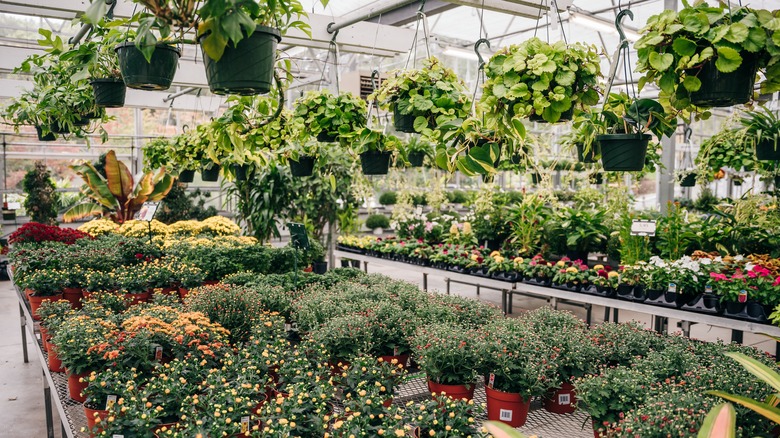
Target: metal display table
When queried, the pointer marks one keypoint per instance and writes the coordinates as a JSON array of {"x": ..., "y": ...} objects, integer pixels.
[{"x": 553, "y": 296}]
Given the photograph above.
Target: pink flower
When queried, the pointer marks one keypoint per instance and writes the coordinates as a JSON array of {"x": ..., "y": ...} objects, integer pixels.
[
  {"x": 428, "y": 227},
  {"x": 777, "y": 281},
  {"x": 583, "y": 267},
  {"x": 602, "y": 273},
  {"x": 717, "y": 276}
]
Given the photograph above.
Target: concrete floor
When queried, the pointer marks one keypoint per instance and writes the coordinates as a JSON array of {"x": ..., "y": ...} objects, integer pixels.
[{"x": 21, "y": 384}]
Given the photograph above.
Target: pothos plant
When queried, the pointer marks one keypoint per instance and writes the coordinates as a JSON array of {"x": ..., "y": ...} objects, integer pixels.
[
  {"x": 334, "y": 115},
  {"x": 725, "y": 149},
  {"x": 675, "y": 45},
  {"x": 542, "y": 79},
  {"x": 370, "y": 140},
  {"x": 95, "y": 57},
  {"x": 433, "y": 94}
]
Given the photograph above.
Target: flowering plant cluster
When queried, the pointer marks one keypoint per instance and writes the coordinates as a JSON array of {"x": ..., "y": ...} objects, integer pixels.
[
  {"x": 606, "y": 277},
  {"x": 33, "y": 232},
  {"x": 572, "y": 272},
  {"x": 751, "y": 282},
  {"x": 448, "y": 354},
  {"x": 213, "y": 226}
]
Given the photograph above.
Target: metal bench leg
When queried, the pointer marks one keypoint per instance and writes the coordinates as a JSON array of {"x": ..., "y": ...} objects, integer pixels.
[
  {"x": 685, "y": 326},
  {"x": 478, "y": 287},
  {"x": 554, "y": 303},
  {"x": 425, "y": 282},
  {"x": 365, "y": 267},
  {"x": 614, "y": 315},
  {"x": 447, "y": 281},
  {"x": 24, "y": 333},
  {"x": 505, "y": 292},
  {"x": 606, "y": 314},
  {"x": 736, "y": 336},
  {"x": 47, "y": 406},
  {"x": 588, "y": 310}
]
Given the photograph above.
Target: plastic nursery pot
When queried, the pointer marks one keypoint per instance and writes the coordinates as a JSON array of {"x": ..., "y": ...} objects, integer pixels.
[
  {"x": 375, "y": 163},
  {"x": 157, "y": 74},
  {"x": 303, "y": 167},
  {"x": 403, "y": 122},
  {"x": 401, "y": 359},
  {"x": 507, "y": 407},
  {"x": 725, "y": 89},
  {"x": 53, "y": 360},
  {"x": 590, "y": 156},
  {"x": 246, "y": 68},
  {"x": 48, "y": 137},
  {"x": 320, "y": 267},
  {"x": 596, "y": 178},
  {"x": 58, "y": 128},
  {"x": 326, "y": 137},
  {"x": 35, "y": 303},
  {"x": 561, "y": 400},
  {"x": 139, "y": 298},
  {"x": 211, "y": 174},
  {"x": 623, "y": 152},
  {"x": 92, "y": 415},
  {"x": 9, "y": 215},
  {"x": 243, "y": 171},
  {"x": 416, "y": 159},
  {"x": 768, "y": 150},
  {"x": 187, "y": 176},
  {"x": 75, "y": 386},
  {"x": 565, "y": 116},
  {"x": 689, "y": 180},
  {"x": 456, "y": 392},
  {"x": 109, "y": 92},
  {"x": 73, "y": 296}
]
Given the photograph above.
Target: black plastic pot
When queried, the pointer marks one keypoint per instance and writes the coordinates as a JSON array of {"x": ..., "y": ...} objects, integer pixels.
[
  {"x": 749, "y": 311},
  {"x": 187, "y": 176},
  {"x": 154, "y": 75},
  {"x": 319, "y": 267},
  {"x": 565, "y": 116},
  {"x": 662, "y": 298},
  {"x": 536, "y": 178},
  {"x": 689, "y": 180},
  {"x": 247, "y": 68},
  {"x": 725, "y": 89},
  {"x": 578, "y": 255},
  {"x": 596, "y": 178},
  {"x": 109, "y": 92},
  {"x": 599, "y": 291},
  {"x": 625, "y": 292},
  {"x": 768, "y": 150},
  {"x": 571, "y": 287},
  {"x": 83, "y": 120},
  {"x": 590, "y": 157},
  {"x": 326, "y": 137},
  {"x": 704, "y": 303},
  {"x": 48, "y": 137},
  {"x": 9, "y": 215},
  {"x": 623, "y": 152},
  {"x": 211, "y": 174},
  {"x": 416, "y": 158},
  {"x": 243, "y": 171},
  {"x": 375, "y": 163},
  {"x": 303, "y": 167},
  {"x": 58, "y": 128},
  {"x": 403, "y": 122},
  {"x": 546, "y": 282}
]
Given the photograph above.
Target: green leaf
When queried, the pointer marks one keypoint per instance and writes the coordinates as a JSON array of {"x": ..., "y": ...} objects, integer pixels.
[
  {"x": 565, "y": 77},
  {"x": 770, "y": 412},
  {"x": 668, "y": 82},
  {"x": 728, "y": 59},
  {"x": 696, "y": 23},
  {"x": 420, "y": 123},
  {"x": 720, "y": 422},
  {"x": 758, "y": 369},
  {"x": 660, "y": 61},
  {"x": 755, "y": 41},
  {"x": 692, "y": 83},
  {"x": 737, "y": 33},
  {"x": 95, "y": 12},
  {"x": 80, "y": 211},
  {"x": 684, "y": 46}
]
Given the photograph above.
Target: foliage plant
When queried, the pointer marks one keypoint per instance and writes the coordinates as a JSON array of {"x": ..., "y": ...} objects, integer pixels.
[
  {"x": 335, "y": 115},
  {"x": 675, "y": 45},
  {"x": 450, "y": 418},
  {"x": 42, "y": 198},
  {"x": 542, "y": 79},
  {"x": 448, "y": 354},
  {"x": 761, "y": 126},
  {"x": 377, "y": 221}
]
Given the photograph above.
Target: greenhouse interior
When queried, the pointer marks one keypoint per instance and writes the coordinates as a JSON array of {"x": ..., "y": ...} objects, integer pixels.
[{"x": 404, "y": 218}]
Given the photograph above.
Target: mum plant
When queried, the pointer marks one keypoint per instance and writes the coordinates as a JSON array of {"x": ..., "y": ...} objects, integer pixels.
[
  {"x": 436, "y": 417},
  {"x": 447, "y": 354},
  {"x": 82, "y": 343}
]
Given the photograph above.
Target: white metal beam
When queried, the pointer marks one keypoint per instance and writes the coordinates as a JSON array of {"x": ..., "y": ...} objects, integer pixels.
[{"x": 526, "y": 9}]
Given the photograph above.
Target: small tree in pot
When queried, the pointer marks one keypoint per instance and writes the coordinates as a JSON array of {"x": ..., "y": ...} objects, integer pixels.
[{"x": 42, "y": 197}]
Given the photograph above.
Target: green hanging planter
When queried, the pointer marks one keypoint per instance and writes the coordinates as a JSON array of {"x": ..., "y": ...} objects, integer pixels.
[
  {"x": 48, "y": 137},
  {"x": 211, "y": 174},
  {"x": 590, "y": 157},
  {"x": 243, "y": 171},
  {"x": 623, "y": 152},
  {"x": 689, "y": 180},
  {"x": 109, "y": 92},
  {"x": 403, "y": 122},
  {"x": 375, "y": 163},
  {"x": 247, "y": 68},
  {"x": 416, "y": 159},
  {"x": 725, "y": 89},
  {"x": 303, "y": 167},
  {"x": 768, "y": 150},
  {"x": 187, "y": 176},
  {"x": 154, "y": 75}
]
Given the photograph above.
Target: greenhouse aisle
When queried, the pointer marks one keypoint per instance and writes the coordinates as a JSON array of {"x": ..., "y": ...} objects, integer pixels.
[{"x": 21, "y": 384}]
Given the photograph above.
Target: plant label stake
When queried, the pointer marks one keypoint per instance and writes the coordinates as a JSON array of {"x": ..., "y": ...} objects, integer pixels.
[
  {"x": 146, "y": 213},
  {"x": 640, "y": 227},
  {"x": 299, "y": 240}
]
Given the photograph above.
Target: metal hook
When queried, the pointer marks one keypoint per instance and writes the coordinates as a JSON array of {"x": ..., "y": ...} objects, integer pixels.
[
  {"x": 619, "y": 25},
  {"x": 480, "y": 42},
  {"x": 422, "y": 6},
  {"x": 687, "y": 133},
  {"x": 374, "y": 80}
]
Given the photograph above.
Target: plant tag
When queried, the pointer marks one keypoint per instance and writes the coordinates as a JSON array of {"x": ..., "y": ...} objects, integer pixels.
[
  {"x": 110, "y": 401},
  {"x": 708, "y": 289},
  {"x": 395, "y": 351},
  {"x": 505, "y": 415},
  {"x": 672, "y": 288},
  {"x": 743, "y": 296},
  {"x": 491, "y": 380},
  {"x": 418, "y": 211},
  {"x": 116, "y": 435},
  {"x": 564, "y": 399},
  {"x": 642, "y": 228},
  {"x": 287, "y": 326},
  {"x": 244, "y": 424},
  {"x": 158, "y": 353}
]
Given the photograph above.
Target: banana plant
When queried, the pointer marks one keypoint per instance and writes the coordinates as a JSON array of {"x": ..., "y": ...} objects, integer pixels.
[
  {"x": 116, "y": 195},
  {"x": 498, "y": 429}
]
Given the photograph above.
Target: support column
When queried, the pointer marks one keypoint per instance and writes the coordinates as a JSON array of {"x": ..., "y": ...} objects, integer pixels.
[
  {"x": 665, "y": 186},
  {"x": 137, "y": 159}
]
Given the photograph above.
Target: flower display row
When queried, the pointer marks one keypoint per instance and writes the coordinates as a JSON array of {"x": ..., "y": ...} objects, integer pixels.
[{"x": 213, "y": 226}]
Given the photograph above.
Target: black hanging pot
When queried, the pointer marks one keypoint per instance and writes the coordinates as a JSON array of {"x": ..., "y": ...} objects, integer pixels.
[
  {"x": 247, "y": 68},
  {"x": 416, "y": 158},
  {"x": 689, "y": 180},
  {"x": 768, "y": 150},
  {"x": 596, "y": 178},
  {"x": 725, "y": 89},
  {"x": 48, "y": 137},
  {"x": 211, "y": 174},
  {"x": 82, "y": 120},
  {"x": 303, "y": 167},
  {"x": 242, "y": 171},
  {"x": 536, "y": 178},
  {"x": 623, "y": 152},
  {"x": 375, "y": 163},
  {"x": 154, "y": 75},
  {"x": 109, "y": 92},
  {"x": 590, "y": 157},
  {"x": 59, "y": 128},
  {"x": 187, "y": 176},
  {"x": 326, "y": 137},
  {"x": 403, "y": 122},
  {"x": 565, "y": 116}
]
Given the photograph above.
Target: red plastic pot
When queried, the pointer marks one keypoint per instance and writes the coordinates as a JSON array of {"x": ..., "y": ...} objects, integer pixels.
[
  {"x": 45, "y": 338},
  {"x": 560, "y": 401},
  {"x": 143, "y": 297},
  {"x": 75, "y": 386},
  {"x": 92, "y": 415},
  {"x": 456, "y": 392},
  {"x": 401, "y": 359},
  {"x": 73, "y": 295},
  {"x": 507, "y": 407},
  {"x": 35, "y": 303},
  {"x": 54, "y": 362},
  {"x": 210, "y": 282},
  {"x": 183, "y": 292}
]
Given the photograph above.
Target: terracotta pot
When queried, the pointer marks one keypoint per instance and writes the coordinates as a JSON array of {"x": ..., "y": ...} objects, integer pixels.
[
  {"x": 73, "y": 296},
  {"x": 45, "y": 338},
  {"x": 453, "y": 391},
  {"x": 75, "y": 386},
  {"x": 210, "y": 282},
  {"x": 54, "y": 362},
  {"x": 183, "y": 292},
  {"x": 86, "y": 295},
  {"x": 28, "y": 293},
  {"x": 91, "y": 415},
  {"x": 402, "y": 359},
  {"x": 143, "y": 297},
  {"x": 507, "y": 407},
  {"x": 35, "y": 303},
  {"x": 387, "y": 403},
  {"x": 308, "y": 269},
  {"x": 560, "y": 401}
]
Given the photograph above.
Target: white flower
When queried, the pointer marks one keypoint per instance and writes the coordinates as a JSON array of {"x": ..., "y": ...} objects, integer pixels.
[{"x": 739, "y": 258}]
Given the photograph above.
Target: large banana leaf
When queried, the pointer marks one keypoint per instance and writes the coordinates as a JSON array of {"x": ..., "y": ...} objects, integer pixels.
[
  {"x": 720, "y": 422},
  {"x": 769, "y": 412},
  {"x": 119, "y": 178},
  {"x": 80, "y": 211},
  {"x": 501, "y": 430},
  {"x": 96, "y": 187},
  {"x": 758, "y": 369}
]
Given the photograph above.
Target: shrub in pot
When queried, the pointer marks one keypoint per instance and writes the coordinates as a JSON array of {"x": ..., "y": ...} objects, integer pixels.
[
  {"x": 415, "y": 150},
  {"x": 301, "y": 155},
  {"x": 449, "y": 355},
  {"x": 705, "y": 56},
  {"x": 388, "y": 198},
  {"x": 328, "y": 116},
  {"x": 96, "y": 59},
  {"x": 42, "y": 200},
  {"x": 455, "y": 417},
  {"x": 377, "y": 222}
]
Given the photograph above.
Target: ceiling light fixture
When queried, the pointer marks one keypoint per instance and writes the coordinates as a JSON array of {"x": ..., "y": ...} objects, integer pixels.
[{"x": 598, "y": 24}]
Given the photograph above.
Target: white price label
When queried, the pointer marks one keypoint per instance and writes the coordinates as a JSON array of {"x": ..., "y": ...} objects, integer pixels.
[
  {"x": 110, "y": 401},
  {"x": 505, "y": 415},
  {"x": 158, "y": 350},
  {"x": 418, "y": 211},
  {"x": 708, "y": 289},
  {"x": 672, "y": 288},
  {"x": 287, "y": 326},
  {"x": 564, "y": 399},
  {"x": 642, "y": 228},
  {"x": 116, "y": 435}
]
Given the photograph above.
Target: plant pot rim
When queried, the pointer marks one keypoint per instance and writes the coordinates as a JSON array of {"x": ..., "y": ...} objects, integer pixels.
[
  {"x": 259, "y": 28},
  {"x": 159, "y": 45},
  {"x": 372, "y": 152},
  {"x": 106, "y": 80},
  {"x": 638, "y": 136}
]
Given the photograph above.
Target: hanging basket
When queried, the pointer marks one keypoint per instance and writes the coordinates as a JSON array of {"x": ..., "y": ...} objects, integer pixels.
[
  {"x": 623, "y": 152},
  {"x": 247, "y": 68},
  {"x": 303, "y": 167},
  {"x": 109, "y": 92},
  {"x": 416, "y": 159},
  {"x": 211, "y": 174},
  {"x": 768, "y": 150},
  {"x": 565, "y": 116},
  {"x": 590, "y": 157},
  {"x": 689, "y": 180},
  {"x": 326, "y": 137},
  {"x": 187, "y": 176},
  {"x": 48, "y": 137},
  {"x": 375, "y": 163},
  {"x": 243, "y": 171},
  {"x": 596, "y": 178},
  {"x": 59, "y": 128},
  {"x": 154, "y": 75},
  {"x": 725, "y": 89},
  {"x": 403, "y": 122}
]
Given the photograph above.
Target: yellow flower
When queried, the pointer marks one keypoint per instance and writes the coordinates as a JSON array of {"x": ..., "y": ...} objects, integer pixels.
[
  {"x": 518, "y": 260},
  {"x": 466, "y": 227},
  {"x": 598, "y": 267},
  {"x": 495, "y": 254},
  {"x": 560, "y": 263},
  {"x": 613, "y": 274},
  {"x": 454, "y": 229},
  {"x": 498, "y": 259},
  {"x": 475, "y": 257},
  {"x": 572, "y": 270}
]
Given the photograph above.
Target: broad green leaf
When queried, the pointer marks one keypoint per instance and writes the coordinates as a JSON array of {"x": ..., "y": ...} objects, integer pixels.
[
  {"x": 660, "y": 62},
  {"x": 769, "y": 412},
  {"x": 758, "y": 369},
  {"x": 684, "y": 46},
  {"x": 737, "y": 33},
  {"x": 214, "y": 43},
  {"x": 95, "y": 12},
  {"x": 728, "y": 59},
  {"x": 80, "y": 211},
  {"x": 756, "y": 40},
  {"x": 692, "y": 83},
  {"x": 118, "y": 177},
  {"x": 668, "y": 82},
  {"x": 720, "y": 422},
  {"x": 420, "y": 123}
]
